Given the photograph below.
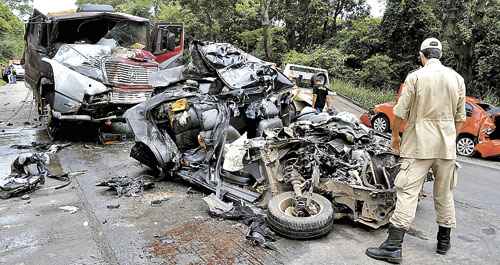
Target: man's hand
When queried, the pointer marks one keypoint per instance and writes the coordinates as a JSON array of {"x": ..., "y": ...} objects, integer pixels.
[
  {"x": 396, "y": 139},
  {"x": 396, "y": 143}
]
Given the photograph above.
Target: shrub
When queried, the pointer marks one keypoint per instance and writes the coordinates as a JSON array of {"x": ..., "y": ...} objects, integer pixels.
[
  {"x": 364, "y": 96},
  {"x": 377, "y": 72}
]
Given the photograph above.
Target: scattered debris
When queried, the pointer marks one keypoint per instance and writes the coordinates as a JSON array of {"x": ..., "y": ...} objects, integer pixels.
[
  {"x": 258, "y": 233},
  {"x": 25, "y": 197},
  {"x": 41, "y": 147},
  {"x": 27, "y": 171},
  {"x": 190, "y": 190},
  {"x": 70, "y": 209},
  {"x": 93, "y": 147},
  {"x": 85, "y": 223},
  {"x": 165, "y": 239},
  {"x": 158, "y": 202},
  {"x": 113, "y": 206},
  {"x": 128, "y": 186}
]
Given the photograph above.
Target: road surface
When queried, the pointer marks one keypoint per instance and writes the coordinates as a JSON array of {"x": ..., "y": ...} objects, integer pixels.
[{"x": 179, "y": 231}]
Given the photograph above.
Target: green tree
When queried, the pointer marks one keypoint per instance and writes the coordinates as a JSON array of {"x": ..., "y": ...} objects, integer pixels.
[
  {"x": 312, "y": 22},
  {"x": 11, "y": 34},
  {"x": 360, "y": 39},
  {"x": 22, "y": 8},
  {"x": 377, "y": 72},
  {"x": 406, "y": 23}
]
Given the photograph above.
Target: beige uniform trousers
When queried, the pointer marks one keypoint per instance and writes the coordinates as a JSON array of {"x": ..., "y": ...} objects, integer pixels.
[{"x": 409, "y": 182}]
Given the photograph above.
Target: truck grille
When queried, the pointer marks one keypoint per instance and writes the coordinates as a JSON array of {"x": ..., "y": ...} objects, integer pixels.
[
  {"x": 129, "y": 97},
  {"x": 127, "y": 74}
]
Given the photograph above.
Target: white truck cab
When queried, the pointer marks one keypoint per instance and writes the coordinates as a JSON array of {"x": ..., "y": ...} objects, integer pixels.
[{"x": 302, "y": 93}]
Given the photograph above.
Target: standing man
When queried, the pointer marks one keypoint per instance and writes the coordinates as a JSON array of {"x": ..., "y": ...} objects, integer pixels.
[
  {"x": 320, "y": 91},
  {"x": 8, "y": 73},
  {"x": 433, "y": 104},
  {"x": 14, "y": 74}
]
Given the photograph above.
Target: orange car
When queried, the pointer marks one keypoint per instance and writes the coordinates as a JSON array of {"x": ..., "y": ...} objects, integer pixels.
[{"x": 480, "y": 134}]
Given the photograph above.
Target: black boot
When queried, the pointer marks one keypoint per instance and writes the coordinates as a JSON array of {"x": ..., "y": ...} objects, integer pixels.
[
  {"x": 443, "y": 237},
  {"x": 391, "y": 249}
]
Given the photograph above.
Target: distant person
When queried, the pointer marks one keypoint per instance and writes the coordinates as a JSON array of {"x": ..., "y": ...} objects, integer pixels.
[
  {"x": 320, "y": 92},
  {"x": 433, "y": 105},
  {"x": 8, "y": 74},
  {"x": 14, "y": 75}
]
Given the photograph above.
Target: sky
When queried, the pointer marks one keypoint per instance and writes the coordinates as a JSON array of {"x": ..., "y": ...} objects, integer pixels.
[{"x": 60, "y": 5}]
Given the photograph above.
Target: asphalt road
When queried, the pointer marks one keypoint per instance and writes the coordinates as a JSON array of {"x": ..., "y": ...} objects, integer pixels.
[{"x": 179, "y": 231}]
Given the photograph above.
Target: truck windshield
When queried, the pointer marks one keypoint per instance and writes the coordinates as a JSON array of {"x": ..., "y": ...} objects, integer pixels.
[{"x": 128, "y": 34}]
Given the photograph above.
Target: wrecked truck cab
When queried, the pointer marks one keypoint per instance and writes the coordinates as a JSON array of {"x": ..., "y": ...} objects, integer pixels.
[{"x": 92, "y": 66}]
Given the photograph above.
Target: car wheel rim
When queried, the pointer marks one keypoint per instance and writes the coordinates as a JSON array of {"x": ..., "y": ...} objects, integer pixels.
[
  {"x": 287, "y": 207},
  {"x": 380, "y": 125},
  {"x": 465, "y": 146}
]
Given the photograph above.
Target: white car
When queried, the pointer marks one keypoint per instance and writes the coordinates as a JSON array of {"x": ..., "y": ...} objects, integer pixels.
[{"x": 19, "y": 71}]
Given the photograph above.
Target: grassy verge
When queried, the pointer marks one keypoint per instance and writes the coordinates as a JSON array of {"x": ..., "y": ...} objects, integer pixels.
[
  {"x": 368, "y": 97},
  {"x": 363, "y": 96}
]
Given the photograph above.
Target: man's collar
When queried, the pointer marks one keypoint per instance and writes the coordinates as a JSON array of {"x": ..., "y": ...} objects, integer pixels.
[{"x": 433, "y": 61}]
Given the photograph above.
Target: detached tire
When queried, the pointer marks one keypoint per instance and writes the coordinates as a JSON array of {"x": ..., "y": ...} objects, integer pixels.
[{"x": 294, "y": 227}]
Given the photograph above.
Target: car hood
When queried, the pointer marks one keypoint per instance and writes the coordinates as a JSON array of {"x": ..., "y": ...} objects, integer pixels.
[{"x": 236, "y": 68}]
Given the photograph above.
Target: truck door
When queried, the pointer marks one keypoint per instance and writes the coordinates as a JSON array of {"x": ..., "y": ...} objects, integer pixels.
[{"x": 167, "y": 43}]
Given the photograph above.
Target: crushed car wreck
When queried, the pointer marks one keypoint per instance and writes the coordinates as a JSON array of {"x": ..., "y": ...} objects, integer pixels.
[
  {"x": 221, "y": 126},
  {"x": 93, "y": 65}
]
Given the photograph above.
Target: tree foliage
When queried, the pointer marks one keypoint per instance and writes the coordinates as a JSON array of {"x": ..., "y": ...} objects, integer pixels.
[
  {"x": 11, "y": 34},
  {"x": 338, "y": 35}
]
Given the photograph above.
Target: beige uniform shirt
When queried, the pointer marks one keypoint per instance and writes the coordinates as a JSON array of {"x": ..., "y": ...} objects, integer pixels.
[{"x": 432, "y": 100}]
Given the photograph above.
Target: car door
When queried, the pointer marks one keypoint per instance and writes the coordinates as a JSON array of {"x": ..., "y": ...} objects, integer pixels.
[
  {"x": 36, "y": 48},
  {"x": 167, "y": 43}
]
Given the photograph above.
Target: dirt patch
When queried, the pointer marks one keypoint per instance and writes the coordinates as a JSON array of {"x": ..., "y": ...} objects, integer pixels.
[{"x": 209, "y": 242}]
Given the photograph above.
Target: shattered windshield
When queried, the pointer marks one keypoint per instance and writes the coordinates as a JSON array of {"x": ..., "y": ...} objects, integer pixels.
[{"x": 128, "y": 34}]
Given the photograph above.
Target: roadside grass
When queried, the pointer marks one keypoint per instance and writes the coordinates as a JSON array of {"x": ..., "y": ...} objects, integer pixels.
[
  {"x": 367, "y": 97},
  {"x": 363, "y": 96}
]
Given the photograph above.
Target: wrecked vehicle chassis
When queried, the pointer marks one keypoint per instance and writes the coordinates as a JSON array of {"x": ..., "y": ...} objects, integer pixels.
[
  {"x": 345, "y": 162},
  {"x": 231, "y": 140}
]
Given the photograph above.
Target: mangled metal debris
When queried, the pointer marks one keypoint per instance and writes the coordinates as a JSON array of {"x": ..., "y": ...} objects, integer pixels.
[
  {"x": 28, "y": 171},
  {"x": 42, "y": 147},
  {"x": 224, "y": 126},
  {"x": 258, "y": 231},
  {"x": 127, "y": 186}
]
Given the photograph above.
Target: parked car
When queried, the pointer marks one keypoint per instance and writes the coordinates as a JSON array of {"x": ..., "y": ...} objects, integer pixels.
[
  {"x": 93, "y": 64},
  {"x": 19, "y": 71},
  {"x": 480, "y": 134},
  {"x": 302, "y": 92}
]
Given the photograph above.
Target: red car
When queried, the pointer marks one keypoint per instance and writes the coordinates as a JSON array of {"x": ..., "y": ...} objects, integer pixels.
[{"x": 480, "y": 134}]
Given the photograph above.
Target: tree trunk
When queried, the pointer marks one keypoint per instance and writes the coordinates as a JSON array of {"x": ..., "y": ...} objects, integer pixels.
[{"x": 266, "y": 23}]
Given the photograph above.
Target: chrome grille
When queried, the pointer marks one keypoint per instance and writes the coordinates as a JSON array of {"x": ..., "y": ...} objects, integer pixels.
[
  {"x": 122, "y": 73},
  {"x": 129, "y": 97}
]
